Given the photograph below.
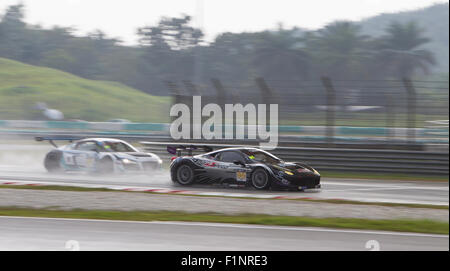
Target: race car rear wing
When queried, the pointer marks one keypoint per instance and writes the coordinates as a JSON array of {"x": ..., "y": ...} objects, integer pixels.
[
  {"x": 178, "y": 148},
  {"x": 52, "y": 139},
  {"x": 189, "y": 148}
]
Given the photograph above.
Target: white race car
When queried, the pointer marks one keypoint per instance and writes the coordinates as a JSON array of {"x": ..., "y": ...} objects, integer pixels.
[{"x": 99, "y": 155}]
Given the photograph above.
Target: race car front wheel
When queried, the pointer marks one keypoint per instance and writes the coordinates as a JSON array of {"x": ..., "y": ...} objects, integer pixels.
[
  {"x": 260, "y": 179},
  {"x": 185, "y": 175}
]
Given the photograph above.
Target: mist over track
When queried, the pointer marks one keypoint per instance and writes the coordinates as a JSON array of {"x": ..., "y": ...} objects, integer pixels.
[{"x": 23, "y": 162}]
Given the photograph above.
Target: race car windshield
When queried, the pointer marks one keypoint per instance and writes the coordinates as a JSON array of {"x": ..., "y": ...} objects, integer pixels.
[
  {"x": 118, "y": 147},
  {"x": 261, "y": 156}
]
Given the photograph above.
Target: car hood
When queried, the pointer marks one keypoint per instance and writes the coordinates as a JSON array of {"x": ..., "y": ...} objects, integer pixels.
[{"x": 293, "y": 166}]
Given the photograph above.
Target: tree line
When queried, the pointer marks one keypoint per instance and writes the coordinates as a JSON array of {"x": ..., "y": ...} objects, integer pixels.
[{"x": 173, "y": 50}]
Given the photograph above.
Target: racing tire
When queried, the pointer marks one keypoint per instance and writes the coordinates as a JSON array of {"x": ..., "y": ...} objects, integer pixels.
[
  {"x": 184, "y": 174},
  {"x": 105, "y": 166},
  {"x": 52, "y": 162},
  {"x": 260, "y": 179}
]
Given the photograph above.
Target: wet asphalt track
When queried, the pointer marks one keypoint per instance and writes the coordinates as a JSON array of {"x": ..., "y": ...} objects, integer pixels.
[
  {"x": 52, "y": 234},
  {"x": 23, "y": 162},
  {"x": 17, "y": 233},
  {"x": 420, "y": 192}
]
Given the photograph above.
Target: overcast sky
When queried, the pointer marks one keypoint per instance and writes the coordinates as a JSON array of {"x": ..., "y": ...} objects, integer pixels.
[{"x": 121, "y": 18}]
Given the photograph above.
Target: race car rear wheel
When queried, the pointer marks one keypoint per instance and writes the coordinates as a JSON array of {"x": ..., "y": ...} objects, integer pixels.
[
  {"x": 105, "y": 166},
  {"x": 185, "y": 175},
  {"x": 51, "y": 162},
  {"x": 260, "y": 179}
]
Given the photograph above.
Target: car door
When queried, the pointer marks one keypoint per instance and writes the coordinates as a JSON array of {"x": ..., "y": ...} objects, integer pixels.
[
  {"x": 229, "y": 169},
  {"x": 83, "y": 156}
]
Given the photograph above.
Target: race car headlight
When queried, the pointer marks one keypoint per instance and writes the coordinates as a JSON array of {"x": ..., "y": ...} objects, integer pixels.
[{"x": 128, "y": 161}]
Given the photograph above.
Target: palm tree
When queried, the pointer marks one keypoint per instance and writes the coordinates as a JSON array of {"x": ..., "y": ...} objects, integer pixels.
[
  {"x": 280, "y": 54},
  {"x": 339, "y": 50},
  {"x": 400, "y": 51}
]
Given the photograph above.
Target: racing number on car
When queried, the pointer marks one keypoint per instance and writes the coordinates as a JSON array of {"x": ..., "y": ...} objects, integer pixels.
[
  {"x": 241, "y": 176},
  {"x": 69, "y": 159}
]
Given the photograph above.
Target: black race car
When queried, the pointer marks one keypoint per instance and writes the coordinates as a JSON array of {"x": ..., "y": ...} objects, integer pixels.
[{"x": 245, "y": 166}]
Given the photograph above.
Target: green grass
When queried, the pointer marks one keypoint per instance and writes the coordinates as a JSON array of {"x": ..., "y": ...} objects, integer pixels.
[
  {"x": 332, "y": 201},
  {"x": 21, "y": 86},
  {"x": 400, "y": 225},
  {"x": 387, "y": 204}
]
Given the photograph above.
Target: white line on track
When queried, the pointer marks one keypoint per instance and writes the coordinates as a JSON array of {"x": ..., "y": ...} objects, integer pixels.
[{"x": 243, "y": 226}]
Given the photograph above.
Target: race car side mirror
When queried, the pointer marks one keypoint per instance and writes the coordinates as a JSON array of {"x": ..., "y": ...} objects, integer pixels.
[{"x": 239, "y": 163}]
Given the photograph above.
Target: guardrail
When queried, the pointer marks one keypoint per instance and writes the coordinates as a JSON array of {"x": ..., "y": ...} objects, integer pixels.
[
  {"x": 348, "y": 154},
  {"x": 354, "y": 160},
  {"x": 433, "y": 135}
]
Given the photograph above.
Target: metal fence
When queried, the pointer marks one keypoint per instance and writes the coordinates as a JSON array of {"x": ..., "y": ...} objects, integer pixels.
[
  {"x": 401, "y": 103},
  {"x": 344, "y": 156},
  {"x": 355, "y": 160}
]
